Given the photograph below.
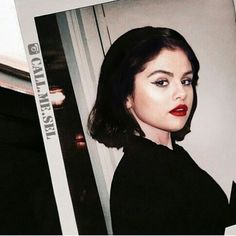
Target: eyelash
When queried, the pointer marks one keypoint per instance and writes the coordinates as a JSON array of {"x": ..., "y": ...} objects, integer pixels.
[
  {"x": 161, "y": 82},
  {"x": 189, "y": 82}
]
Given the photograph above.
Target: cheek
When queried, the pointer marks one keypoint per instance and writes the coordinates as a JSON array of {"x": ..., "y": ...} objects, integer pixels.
[
  {"x": 190, "y": 97},
  {"x": 148, "y": 104},
  {"x": 147, "y": 98}
]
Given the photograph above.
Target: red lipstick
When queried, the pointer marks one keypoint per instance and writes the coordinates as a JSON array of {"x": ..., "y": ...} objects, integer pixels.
[{"x": 180, "y": 110}]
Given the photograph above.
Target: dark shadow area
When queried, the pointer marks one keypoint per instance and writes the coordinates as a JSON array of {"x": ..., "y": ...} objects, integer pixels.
[{"x": 27, "y": 203}]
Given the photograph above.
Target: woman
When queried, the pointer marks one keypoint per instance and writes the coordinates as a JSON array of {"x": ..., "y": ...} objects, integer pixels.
[{"x": 145, "y": 102}]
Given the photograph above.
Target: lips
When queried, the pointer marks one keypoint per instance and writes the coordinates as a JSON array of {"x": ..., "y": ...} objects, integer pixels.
[{"x": 180, "y": 110}]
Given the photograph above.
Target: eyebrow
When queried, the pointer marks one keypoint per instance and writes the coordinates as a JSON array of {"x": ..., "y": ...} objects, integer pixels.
[{"x": 167, "y": 73}]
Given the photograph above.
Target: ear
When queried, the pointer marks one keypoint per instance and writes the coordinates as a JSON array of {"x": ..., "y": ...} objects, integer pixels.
[{"x": 129, "y": 102}]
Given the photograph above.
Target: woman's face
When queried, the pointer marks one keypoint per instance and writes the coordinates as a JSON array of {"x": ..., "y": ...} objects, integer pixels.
[{"x": 163, "y": 94}]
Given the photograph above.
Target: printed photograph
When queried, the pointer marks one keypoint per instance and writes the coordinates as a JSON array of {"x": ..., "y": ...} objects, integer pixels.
[{"x": 141, "y": 98}]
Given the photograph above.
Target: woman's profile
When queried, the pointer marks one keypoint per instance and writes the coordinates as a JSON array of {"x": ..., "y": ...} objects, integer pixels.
[{"x": 145, "y": 102}]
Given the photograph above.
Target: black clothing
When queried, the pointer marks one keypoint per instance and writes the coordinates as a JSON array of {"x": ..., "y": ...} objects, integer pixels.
[{"x": 156, "y": 190}]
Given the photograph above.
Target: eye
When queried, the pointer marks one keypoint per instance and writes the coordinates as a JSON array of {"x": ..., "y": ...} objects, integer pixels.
[
  {"x": 186, "y": 82},
  {"x": 161, "y": 82}
]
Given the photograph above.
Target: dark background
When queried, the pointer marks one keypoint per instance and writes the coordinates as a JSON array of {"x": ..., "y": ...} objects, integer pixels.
[{"x": 27, "y": 203}]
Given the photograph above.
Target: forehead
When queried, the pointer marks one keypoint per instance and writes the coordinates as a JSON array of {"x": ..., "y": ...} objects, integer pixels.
[{"x": 169, "y": 59}]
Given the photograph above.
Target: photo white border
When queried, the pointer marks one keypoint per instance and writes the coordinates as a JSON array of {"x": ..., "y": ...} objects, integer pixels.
[{"x": 27, "y": 10}]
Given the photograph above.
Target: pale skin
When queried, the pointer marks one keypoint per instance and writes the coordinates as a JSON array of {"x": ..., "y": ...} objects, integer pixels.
[{"x": 165, "y": 83}]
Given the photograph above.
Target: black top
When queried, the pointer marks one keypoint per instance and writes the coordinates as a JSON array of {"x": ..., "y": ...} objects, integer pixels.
[{"x": 156, "y": 190}]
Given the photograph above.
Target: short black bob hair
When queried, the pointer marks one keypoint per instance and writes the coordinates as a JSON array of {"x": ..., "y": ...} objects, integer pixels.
[{"x": 109, "y": 121}]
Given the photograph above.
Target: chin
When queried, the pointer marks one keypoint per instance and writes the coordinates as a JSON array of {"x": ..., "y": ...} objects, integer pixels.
[{"x": 177, "y": 127}]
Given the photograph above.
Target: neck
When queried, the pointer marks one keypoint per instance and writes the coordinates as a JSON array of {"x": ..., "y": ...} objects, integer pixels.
[
  {"x": 156, "y": 135},
  {"x": 160, "y": 137}
]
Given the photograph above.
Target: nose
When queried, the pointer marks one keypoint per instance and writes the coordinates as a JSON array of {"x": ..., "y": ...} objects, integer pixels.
[{"x": 179, "y": 92}]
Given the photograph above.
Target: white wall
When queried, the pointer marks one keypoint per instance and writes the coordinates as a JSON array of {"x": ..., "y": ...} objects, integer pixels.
[{"x": 11, "y": 45}]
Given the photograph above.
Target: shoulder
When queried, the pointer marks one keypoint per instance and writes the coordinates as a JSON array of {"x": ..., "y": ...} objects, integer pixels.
[
  {"x": 142, "y": 151},
  {"x": 142, "y": 147},
  {"x": 145, "y": 162}
]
